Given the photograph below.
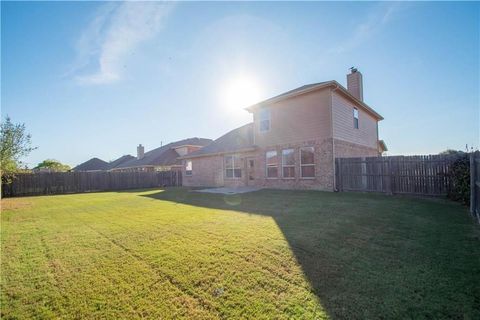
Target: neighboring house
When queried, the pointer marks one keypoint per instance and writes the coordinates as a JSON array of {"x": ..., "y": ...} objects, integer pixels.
[
  {"x": 162, "y": 158},
  {"x": 293, "y": 140},
  {"x": 96, "y": 164},
  {"x": 93, "y": 164}
]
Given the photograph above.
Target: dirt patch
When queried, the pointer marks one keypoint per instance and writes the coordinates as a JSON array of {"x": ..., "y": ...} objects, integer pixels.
[{"x": 15, "y": 204}]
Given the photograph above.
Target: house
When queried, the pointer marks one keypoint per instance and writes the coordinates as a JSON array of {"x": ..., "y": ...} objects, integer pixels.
[
  {"x": 96, "y": 164},
  {"x": 293, "y": 140},
  {"x": 163, "y": 158}
]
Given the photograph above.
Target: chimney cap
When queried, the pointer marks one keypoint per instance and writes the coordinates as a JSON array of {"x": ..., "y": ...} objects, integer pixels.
[{"x": 353, "y": 69}]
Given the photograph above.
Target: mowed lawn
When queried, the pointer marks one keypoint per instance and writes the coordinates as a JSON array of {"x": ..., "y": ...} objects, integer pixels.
[{"x": 172, "y": 254}]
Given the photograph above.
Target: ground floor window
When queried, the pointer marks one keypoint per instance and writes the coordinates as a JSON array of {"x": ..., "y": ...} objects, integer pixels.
[
  {"x": 233, "y": 166},
  {"x": 288, "y": 163},
  {"x": 188, "y": 168},
  {"x": 307, "y": 162},
  {"x": 272, "y": 164}
]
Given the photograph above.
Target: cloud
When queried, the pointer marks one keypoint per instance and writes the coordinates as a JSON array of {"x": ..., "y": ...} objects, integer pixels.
[
  {"x": 380, "y": 16},
  {"x": 113, "y": 33}
]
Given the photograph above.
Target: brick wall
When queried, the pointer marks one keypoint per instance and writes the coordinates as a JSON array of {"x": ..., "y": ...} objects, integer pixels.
[
  {"x": 345, "y": 149},
  {"x": 324, "y": 172}
]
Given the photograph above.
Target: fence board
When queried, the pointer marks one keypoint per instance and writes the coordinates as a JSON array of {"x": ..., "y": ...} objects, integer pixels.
[
  {"x": 77, "y": 182},
  {"x": 418, "y": 175}
]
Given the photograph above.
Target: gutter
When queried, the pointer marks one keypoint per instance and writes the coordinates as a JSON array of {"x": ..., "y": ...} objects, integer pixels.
[{"x": 217, "y": 153}]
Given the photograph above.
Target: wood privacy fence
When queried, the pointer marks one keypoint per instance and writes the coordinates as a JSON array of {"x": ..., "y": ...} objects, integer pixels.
[
  {"x": 475, "y": 184},
  {"x": 77, "y": 182},
  {"x": 417, "y": 175}
]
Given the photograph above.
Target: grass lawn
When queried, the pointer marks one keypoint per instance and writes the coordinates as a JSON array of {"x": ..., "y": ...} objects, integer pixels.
[{"x": 264, "y": 255}]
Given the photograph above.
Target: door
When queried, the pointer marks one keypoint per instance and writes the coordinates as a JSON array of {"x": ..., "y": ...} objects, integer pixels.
[{"x": 250, "y": 171}]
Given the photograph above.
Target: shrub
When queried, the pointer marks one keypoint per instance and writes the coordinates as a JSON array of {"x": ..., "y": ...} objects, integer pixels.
[{"x": 460, "y": 180}]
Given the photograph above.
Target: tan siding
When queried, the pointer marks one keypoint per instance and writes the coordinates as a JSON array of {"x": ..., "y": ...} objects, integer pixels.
[
  {"x": 342, "y": 111},
  {"x": 297, "y": 119}
]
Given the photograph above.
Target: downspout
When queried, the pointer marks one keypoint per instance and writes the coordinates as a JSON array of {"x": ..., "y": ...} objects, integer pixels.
[{"x": 333, "y": 140}]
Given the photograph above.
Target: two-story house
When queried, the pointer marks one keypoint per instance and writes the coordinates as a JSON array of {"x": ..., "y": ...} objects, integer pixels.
[{"x": 293, "y": 140}]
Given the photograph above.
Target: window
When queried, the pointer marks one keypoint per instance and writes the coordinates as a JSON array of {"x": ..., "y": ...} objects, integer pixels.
[
  {"x": 307, "y": 162},
  {"x": 355, "y": 118},
  {"x": 233, "y": 168},
  {"x": 188, "y": 168},
  {"x": 288, "y": 163},
  {"x": 264, "y": 120},
  {"x": 272, "y": 164}
]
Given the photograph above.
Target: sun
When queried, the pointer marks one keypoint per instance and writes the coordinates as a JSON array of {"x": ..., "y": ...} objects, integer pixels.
[{"x": 241, "y": 92}]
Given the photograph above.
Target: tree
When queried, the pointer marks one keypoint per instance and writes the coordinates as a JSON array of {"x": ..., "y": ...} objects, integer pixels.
[
  {"x": 52, "y": 165},
  {"x": 451, "y": 151},
  {"x": 15, "y": 144}
]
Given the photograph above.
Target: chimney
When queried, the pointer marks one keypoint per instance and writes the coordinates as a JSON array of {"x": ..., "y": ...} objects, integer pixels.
[
  {"x": 140, "y": 152},
  {"x": 355, "y": 83}
]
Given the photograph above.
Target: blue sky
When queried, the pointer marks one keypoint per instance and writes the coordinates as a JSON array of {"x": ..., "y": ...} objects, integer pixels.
[{"x": 96, "y": 79}]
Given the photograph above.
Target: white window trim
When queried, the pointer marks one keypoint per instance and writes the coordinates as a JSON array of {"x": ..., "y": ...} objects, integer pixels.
[
  {"x": 307, "y": 165},
  {"x": 260, "y": 120},
  {"x": 233, "y": 167},
  {"x": 186, "y": 171},
  {"x": 266, "y": 165},
  {"x": 356, "y": 118},
  {"x": 289, "y": 166}
]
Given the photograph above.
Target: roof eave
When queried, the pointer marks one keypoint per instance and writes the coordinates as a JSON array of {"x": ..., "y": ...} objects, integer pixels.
[{"x": 216, "y": 153}]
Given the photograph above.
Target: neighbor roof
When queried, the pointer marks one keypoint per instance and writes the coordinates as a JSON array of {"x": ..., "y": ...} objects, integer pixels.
[
  {"x": 165, "y": 155},
  {"x": 119, "y": 161},
  {"x": 93, "y": 164},
  {"x": 312, "y": 87},
  {"x": 240, "y": 139}
]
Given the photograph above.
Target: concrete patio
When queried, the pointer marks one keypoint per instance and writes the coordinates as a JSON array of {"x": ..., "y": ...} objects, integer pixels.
[{"x": 229, "y": 190}]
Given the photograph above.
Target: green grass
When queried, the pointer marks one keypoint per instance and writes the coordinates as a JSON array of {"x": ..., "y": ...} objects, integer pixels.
[{"x": 264, "y": 255}]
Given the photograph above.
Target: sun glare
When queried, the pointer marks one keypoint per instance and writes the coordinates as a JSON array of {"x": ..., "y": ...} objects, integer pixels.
[{"x": 240, "y": 93}]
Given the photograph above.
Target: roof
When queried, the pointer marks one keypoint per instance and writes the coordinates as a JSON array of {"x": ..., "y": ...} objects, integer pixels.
[
  {"x": 165, "y": 155},
  {"x": 93, "y": 164},
  {"x": 120, "y": 160},
  {"x": 312, "y": 87},
  {"x": 235, "y": 140}
]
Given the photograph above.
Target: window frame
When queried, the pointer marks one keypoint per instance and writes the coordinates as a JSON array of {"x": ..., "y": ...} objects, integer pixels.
[
  {"x": 356, "y": 116},
  {"x": 308, "y": 164},
  {"x": 260, "y": 120},
  {"x": 289, "y": 165},
  {"x": 188, "y": 172},
  {"x": 233, "y": 168},
  {"x": 274, "y": 166}
]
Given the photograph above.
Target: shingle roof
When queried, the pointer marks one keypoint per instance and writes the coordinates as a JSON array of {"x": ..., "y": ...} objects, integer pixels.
[
  {"x": 304, "y": 87},
  {"x": 165, "y": 155},
  {"x": 119, "y": 161},
  {"x": 235, "y": 140},
  {"x": 92, "y": 165}
]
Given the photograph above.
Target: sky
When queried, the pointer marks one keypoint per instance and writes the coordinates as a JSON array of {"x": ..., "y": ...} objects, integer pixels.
[{"x": 95, "y": 79}]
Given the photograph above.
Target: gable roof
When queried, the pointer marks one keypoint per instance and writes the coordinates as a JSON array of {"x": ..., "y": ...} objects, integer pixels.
[
  {"x": 165, "y": 155},
  {"x": 313, "y": 87},
  {"x": 119, "y": 161},
  {"x": 239, "y": 139},
  {"x": 93, "y": 164}
]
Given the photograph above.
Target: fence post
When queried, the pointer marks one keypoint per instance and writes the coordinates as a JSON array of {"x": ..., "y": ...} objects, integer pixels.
[{"x": 472, "y": 185}]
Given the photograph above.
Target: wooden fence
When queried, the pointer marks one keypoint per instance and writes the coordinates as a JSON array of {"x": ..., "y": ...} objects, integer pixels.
[
  {"x": 77, "y": 182},
  {"x": 475, "y": 184},
  {"x": 417, "y": 175}
]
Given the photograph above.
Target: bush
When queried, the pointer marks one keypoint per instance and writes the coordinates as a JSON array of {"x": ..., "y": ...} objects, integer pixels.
[{"x": 460, "y": 180}]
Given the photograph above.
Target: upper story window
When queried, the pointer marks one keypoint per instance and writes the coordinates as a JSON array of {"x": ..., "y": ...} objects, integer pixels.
[
  {"x": 288, "y": 163},
  {"x": 355, "y": 118},
  {"x": 307, "y": 162},
  {"x": 264, "y": 120},
  {"x": 233, "y": 167},
  {"x": 188, "y": 168},
  {"x": 272, "y": 164}
]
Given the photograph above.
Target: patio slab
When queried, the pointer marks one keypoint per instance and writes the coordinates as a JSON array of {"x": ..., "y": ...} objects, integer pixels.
[{"x": 227, "y": 190}]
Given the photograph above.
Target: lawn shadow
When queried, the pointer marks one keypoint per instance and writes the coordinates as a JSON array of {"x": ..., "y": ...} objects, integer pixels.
[{"x": 365, "y": 256}]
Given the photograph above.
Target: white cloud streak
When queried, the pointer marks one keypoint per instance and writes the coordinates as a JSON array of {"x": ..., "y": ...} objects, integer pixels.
[
  {"x": 113, "y": 33},
  {"x": 373, "y": 24}
]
